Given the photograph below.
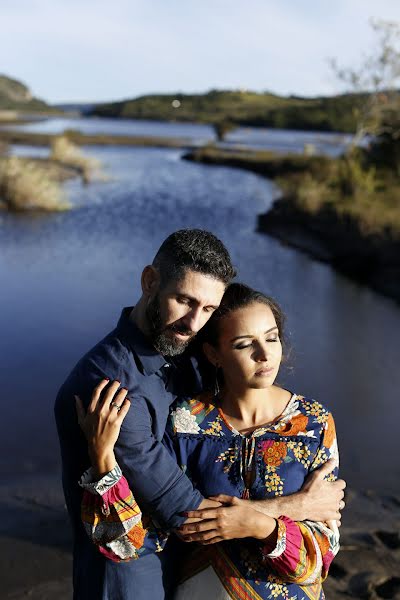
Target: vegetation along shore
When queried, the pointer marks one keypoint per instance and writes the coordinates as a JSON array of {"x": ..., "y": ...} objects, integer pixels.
[{"x": 331, "y": 208}]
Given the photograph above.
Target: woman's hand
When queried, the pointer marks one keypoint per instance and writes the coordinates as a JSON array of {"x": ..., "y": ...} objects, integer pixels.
[
  {"x": 236, "y": 519},
  {"x": 102, "y": 422}
]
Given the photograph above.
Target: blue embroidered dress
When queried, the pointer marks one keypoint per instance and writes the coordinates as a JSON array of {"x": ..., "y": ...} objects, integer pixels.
[{"x": 218, "y": 459}]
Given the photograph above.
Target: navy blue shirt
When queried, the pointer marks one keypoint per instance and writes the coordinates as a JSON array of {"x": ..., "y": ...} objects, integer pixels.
[{"x": 159, "y": 485}]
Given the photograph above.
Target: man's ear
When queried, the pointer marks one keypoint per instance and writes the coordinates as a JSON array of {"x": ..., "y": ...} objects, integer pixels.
[
  {"x": 150, "y": 281},
  {"x": 211, "y": 354}
]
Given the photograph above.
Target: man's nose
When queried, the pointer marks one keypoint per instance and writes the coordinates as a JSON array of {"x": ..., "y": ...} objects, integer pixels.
[{"x": 192, "y": 320}]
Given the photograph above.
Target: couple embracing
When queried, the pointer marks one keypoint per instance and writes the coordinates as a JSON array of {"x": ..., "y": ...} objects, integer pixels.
[{"x": 189, "y": 472}]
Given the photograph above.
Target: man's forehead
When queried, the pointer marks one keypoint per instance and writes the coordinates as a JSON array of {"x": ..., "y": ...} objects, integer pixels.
[{"x": 197, "y": 284}]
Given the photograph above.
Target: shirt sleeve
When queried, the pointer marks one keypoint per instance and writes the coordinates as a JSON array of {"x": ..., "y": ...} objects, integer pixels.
[
  {"x": 304, "y": 550},
  {"x": 111, "y": 516},
  {"x": 153, "y": 475}
]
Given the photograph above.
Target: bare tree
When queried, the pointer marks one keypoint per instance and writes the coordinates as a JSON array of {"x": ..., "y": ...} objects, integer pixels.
[{"x": 375, "y": 79}]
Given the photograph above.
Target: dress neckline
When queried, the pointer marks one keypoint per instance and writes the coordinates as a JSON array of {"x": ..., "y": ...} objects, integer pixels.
[{"x": 261, "y": 428}]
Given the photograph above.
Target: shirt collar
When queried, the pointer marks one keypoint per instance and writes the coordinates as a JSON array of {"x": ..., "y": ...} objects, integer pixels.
[{"x": 150, "y": 360}]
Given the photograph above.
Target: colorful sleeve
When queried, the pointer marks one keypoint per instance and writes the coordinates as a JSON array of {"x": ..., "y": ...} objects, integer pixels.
[
  {"x": 111, "y": 516},
  {"x": 305, "y": 549}
]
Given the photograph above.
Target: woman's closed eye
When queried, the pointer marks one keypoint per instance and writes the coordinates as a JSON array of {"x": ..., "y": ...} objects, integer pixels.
[{"x": 243, "y": 345}]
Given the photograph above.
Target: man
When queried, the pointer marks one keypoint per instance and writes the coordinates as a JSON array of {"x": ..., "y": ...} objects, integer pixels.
[{"x": 180, "y": 290}]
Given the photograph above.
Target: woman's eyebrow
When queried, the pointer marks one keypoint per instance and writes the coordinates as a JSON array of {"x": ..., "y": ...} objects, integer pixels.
[{"x": 242, "y": 337}]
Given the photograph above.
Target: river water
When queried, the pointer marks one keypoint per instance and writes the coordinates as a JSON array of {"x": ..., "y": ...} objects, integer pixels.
[{"x": 64, "y": 278}]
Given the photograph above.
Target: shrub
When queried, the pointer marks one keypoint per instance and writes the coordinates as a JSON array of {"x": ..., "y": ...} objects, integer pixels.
[
  {"x": 68, "y": 153},
  {"x": 26, "y": 186}
]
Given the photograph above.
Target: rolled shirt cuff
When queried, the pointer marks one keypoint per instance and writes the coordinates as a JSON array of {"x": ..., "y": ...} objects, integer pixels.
[
  {"x": 280, "y": 545},
  {"x": 103, "y": 485}
]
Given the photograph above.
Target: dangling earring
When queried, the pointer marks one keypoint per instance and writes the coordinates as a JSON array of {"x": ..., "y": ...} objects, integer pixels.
[{"x": 216, "y": 383}]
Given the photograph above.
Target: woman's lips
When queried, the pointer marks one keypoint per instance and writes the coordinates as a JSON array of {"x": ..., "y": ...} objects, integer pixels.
[{"x": 265, "y": 371}]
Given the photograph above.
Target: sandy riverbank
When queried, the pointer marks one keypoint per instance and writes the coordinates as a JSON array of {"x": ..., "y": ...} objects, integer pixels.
[{"x": 35, "y": 544}]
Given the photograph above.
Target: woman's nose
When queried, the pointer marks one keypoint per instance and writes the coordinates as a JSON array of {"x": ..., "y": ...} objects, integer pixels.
[{"x": 261, "y": 352}]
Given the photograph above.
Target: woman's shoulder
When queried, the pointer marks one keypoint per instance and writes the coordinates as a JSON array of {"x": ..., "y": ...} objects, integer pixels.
[
  {"x": 304, "y": 416},
  {"x": 312, "y": 408},
  {"x": 193, "y": 415}
]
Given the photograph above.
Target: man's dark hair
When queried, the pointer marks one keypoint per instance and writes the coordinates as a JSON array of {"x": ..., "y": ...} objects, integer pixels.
[{"x": 193, "y": 250}]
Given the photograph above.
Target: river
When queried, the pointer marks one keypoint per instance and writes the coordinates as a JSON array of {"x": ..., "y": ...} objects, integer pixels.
[{"x": 64, "y": 278}]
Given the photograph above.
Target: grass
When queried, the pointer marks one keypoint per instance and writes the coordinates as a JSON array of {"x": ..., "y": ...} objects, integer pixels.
[
  {"x": 26, "y": 186},
  {"x": 367, "y": 196},
  {"x": 348, "y": 187},
  {"x": 67, "y": 153}
]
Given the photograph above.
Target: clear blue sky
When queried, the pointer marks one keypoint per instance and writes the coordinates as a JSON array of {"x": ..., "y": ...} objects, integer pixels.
[{"x": 95, "y": 50}]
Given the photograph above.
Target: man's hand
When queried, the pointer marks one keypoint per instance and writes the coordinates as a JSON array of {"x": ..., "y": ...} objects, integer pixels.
[
  {"x": 102, "y": 423},
  {"x": 318, "y": 499},
  {"x": 236, "y": 519},
  {"x": 322, "y": 500}
]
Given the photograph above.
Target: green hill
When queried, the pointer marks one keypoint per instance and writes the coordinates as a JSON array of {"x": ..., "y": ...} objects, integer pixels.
[
  {"x": 14, "y": 95},
  {"x": 241, "y": 108}
]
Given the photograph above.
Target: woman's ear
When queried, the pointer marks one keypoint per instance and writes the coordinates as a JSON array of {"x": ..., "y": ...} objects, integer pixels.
[
  {"x": 150, "y": 280},
  {"x": 211, "y": 354}
]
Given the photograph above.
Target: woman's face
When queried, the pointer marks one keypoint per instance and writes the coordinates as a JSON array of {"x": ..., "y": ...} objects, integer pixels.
[{"x": 249, "y": 350}]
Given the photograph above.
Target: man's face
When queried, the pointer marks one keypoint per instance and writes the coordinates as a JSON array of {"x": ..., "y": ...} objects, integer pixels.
[{"x": 179, "y": 310}]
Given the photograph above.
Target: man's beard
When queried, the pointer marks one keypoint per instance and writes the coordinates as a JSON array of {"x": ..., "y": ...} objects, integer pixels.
[{"x": 158, "y": 331}]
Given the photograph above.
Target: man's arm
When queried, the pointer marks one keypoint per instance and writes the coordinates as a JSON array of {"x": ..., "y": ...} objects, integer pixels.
[
  {"x": 317, "y": 500},
  {"x": 157, "y": 481}
]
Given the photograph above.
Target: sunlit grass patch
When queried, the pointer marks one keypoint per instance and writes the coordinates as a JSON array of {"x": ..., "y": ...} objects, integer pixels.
[
  {"x": 25, "y": 185},
  {"x": 67, "y": 153}
]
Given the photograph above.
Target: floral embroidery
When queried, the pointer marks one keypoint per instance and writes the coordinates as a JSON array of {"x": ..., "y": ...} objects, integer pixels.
[
  {"x": 320, "y": 458},
  {"x": 215, "y": 427},
  {"x": 250, "y": 561},
  {"x": 229, "y": 457},
  {"x": 273, "y": 482},
  {"x": 316, "y": 410},
  {"x": 184, "y": 421},
  {"x": 301, "y": 453},
  {"x": 277, "y": 587},
  {"x": 297, "y": 425},
  {"x": 272, "y": 452}
]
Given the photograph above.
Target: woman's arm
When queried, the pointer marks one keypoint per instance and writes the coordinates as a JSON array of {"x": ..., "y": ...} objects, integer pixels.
[
  {"x": 305, "y": 549},
  {"x": 298, "y": 551},
  {"x": 109, "y": 511},
  {"x": 111, "y": 516}
]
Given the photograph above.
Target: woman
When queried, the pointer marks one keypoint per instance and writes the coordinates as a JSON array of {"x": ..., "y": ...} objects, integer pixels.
[{"x": 249, "y": 440}]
